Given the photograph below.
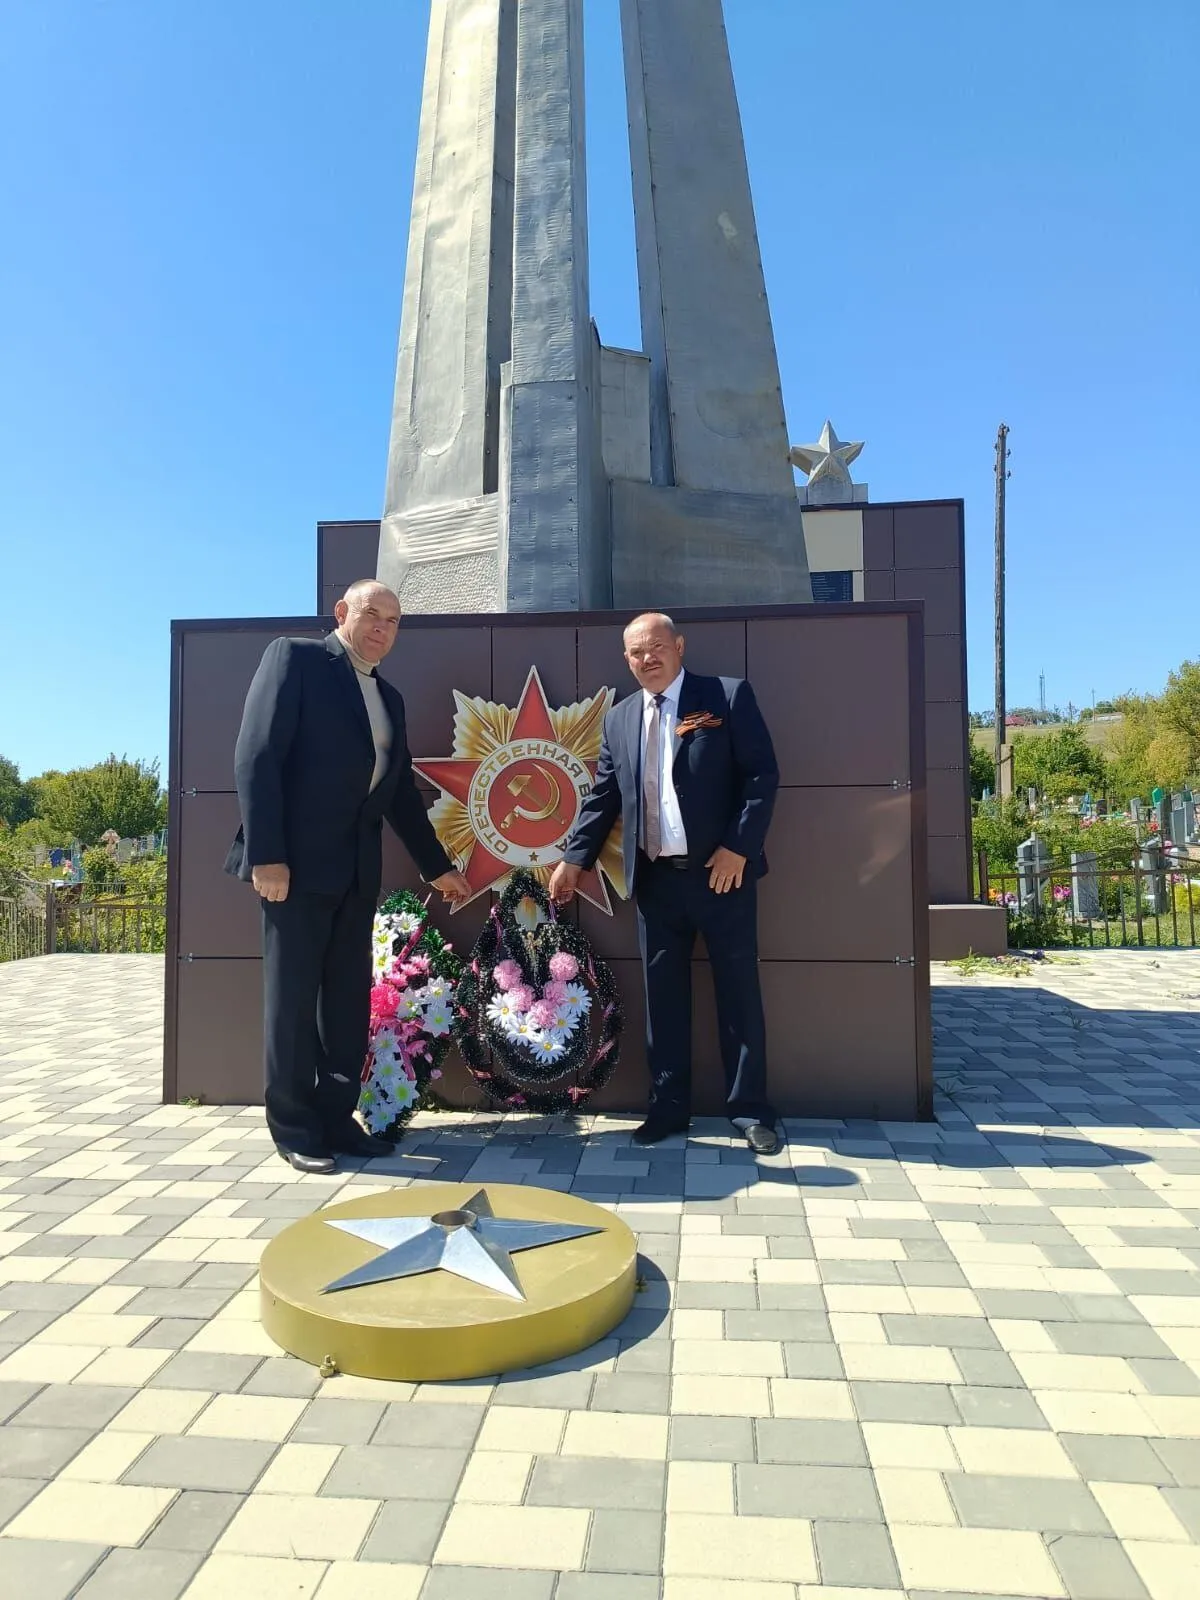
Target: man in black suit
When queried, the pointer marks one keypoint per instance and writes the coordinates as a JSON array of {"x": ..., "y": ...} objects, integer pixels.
[
  {"x": 321, "y": 760},
  {"x": 688, "y": 766}
]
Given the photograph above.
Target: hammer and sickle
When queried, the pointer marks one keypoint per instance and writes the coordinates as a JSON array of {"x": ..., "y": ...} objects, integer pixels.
[{"x": 519, "y": 786}]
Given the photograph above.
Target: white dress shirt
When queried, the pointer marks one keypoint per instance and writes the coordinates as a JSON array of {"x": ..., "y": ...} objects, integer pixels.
[{"x": 671, "y": 832}]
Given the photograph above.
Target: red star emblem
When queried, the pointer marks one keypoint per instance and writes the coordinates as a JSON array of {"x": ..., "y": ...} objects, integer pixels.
[{"x": 520, "y": 797}]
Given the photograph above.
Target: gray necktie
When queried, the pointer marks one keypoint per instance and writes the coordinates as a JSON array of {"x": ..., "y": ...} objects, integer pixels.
[{"x": 652, "y": 782}]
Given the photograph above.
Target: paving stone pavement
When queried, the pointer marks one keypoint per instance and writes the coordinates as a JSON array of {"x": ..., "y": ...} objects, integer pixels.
[{"x": 894, "y": 1360}]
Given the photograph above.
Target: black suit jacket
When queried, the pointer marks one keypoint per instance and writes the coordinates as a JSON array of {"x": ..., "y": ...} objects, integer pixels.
[
  {"x": 725, "y": 777},
  {"x": 303, "y": 765}
]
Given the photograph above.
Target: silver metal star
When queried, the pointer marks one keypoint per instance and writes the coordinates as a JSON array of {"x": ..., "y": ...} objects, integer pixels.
[{"x": 471, "y": 1242}]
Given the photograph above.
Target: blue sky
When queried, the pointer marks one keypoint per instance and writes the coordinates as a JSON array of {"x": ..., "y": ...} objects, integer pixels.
[{"x": 968, "y": 215}]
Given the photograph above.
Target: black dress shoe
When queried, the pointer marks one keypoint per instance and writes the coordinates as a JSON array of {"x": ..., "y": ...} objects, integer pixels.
[
  {"x": 762, "y": 1140},
  {"x": 354, "y": 1142},
  {"x": 303, "y": 1163},
  {"x": 655, "y": 1129}
]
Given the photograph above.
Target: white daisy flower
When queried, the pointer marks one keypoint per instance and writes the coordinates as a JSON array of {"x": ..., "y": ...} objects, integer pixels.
[
  {"x": 546, "y": 1047},
  {"x": 565, "y": 1021},
  {"x": 500, "y": 1009},
  {"x": 405, "y": 1093},
  {"x": 577, "y": 999},
  {"x": 384, "y": 1042},
  {"x": 438, "y": 1020},
  {"x": 406, "y": 923},
  {"x": 521, "y": 1030},
  {"x": 437, "y": 989},
  {"x": 411, "y": 1007}
]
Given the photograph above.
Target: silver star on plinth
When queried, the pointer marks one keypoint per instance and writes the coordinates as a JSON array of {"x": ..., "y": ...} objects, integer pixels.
[
  {"x": 827, "y": 463},
  {"x": 471, "y": 1241}
]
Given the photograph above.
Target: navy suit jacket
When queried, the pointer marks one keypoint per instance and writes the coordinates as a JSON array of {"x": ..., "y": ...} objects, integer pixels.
[
  {"x": 725, "y": 777},
  {"x": 303, "y": 764}
]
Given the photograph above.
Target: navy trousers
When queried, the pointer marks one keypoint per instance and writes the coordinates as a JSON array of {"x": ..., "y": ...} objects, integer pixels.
[
  {"x": 673, "y": 906},
  {"x": 316, "y": 1015}
]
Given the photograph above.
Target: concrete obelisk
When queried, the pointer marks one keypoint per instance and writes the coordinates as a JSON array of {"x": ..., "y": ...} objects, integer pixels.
[{"x": 529, "y": 467}]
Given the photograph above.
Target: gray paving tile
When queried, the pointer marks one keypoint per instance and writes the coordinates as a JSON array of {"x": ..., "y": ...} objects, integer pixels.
[
  {"x": 146, "y": 1574},
  {"x": 788, "y": 1297},
  {"x": 36, "y": 1569},
  {"x": 1044, "y": 1505},
  {"x": 813, "y": 1360},
  {"x": 953, "y": 1332},
  {"x": 39, "y": 1452},
  {"x": 491, "y": 1583},
  {"x": 710, "y": 1439},
  {"x": 407, "y": 1530},
  {"x": 15, "y": 1493},
  {"x": 338, "y": 1421},
  {"x": 283, "y": 1377},
  {"x": 997, "y": 1408},
  {"x": 569, "y": 1390},
  {"x": 1165, "y": 1377},
  {"x": 807, "y": 1491},
  {"x": 1095, "y": 1569},
  {"x": 855, "y": 1555},
  {"x": 191, "y": 1461},
  {"x": 1108, "y": 1339},
  {"x": 1036, "y": 1305},
  {"x": 810, "y": 1443},
  {"x": 595, "y": 1482},
  {"x": 988, "y": 1369},
  {"x": 375, "y": 1471},
  {"x": 903, "y": 1402},
  {"x": 717, "y": 1297},
  {"x": 625, "y": 1541},
  {"x": 1182, "y": 1459},
  {"x": 797, "y": 1326},
  {"x": 192, "y": 1369},
  {"x": 15, "y": 1395},
  {"x": 1185, "y": 1503},
  {"x": 601, "y": 1586},
  {"x": 632, "y": 1391},
  {"x": 195, "y": 1520}
]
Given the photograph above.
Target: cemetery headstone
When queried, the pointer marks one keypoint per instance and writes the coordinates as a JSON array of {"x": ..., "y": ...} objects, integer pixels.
[
  {"x": 1154, "y": 882},
  {"x": 1033, "y": 865},
  {"x": 1085, "y": 885},
  {"x": 1136, "y": 809}
]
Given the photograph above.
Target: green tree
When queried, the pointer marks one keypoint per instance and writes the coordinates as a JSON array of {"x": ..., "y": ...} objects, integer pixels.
[
  {"x": 16, "y": 802},
  {"x": 1058, "y": 763},
  {"x": 1179, "y": 707},
  {"x": 117, "y": 793},
  {"x": 983, "y": 771}
]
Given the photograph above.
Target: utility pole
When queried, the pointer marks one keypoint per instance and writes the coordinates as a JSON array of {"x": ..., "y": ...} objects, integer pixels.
[{"x": 1001, "y": 477}]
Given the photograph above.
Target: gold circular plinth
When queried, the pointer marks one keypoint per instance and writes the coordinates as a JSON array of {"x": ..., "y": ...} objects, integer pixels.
[{"x": 437, "y": 1325}]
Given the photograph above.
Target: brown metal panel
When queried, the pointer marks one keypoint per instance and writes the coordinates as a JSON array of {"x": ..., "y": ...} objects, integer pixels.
[
  {"x": 947, "y": 792},
  {"x": 928, "y": 536},
  {"x": 940, "y": 589},
  {"x": 515, "y": 650},
  {"x": 615, "y": 936},
  {"x": 427, "y": 664},
  {"x": 220, "y": 1032},
  {"x": 944, "y": 666},
  {"x": 878, "y": 547},
  {"x": 170, "y": 985},
  {"x": 879, "y": 585},
  {"x": 219, "y": 915},
  {"x": 600, "y": 660},
  {"x": 346, "y": 551},
  {"x": 834, "y": 692},
  {"x": 216, "y": 671},
  {"x": 946, "y": 733},
  {"x": 840, "y": 881},
  {"x": 949, "y": 868}
]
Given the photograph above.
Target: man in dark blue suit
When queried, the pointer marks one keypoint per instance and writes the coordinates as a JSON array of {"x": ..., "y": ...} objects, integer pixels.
[
  {"x": 321, "y": 760},
  {"x": 688, "y": 766}
]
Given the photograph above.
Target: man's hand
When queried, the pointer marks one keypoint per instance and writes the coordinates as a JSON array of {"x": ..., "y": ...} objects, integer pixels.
[
  {"x": 725, "y": 868},
  {"x": 272, "y": 882},
  {"x": 562, "y": 883},
  {"x": 454, "y": 887}
]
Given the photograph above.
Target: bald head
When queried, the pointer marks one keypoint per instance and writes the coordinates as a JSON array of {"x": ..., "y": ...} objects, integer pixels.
[
  {"x": 654, "y": 650},
  {"x": 368, "y": 615}
]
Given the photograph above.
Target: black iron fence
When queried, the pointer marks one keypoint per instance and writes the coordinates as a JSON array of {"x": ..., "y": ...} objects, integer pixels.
[{"x": 1074, "y": 905}]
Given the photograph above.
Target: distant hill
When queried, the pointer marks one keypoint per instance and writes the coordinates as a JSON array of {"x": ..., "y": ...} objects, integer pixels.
[{"x": 1098, "y": 732}]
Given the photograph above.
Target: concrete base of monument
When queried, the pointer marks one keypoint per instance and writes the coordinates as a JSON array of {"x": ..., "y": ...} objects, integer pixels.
[{"x": 447, "y": 1281}]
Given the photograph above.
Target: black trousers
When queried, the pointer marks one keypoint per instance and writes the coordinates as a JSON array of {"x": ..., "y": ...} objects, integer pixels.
[
  {"x": 316, "y": 1014},
  {"x": 673, "y": 906}
]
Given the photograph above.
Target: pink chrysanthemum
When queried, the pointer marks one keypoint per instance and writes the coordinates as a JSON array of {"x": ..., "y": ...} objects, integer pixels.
[
  {"x": 384, "y": 1000},
  {"x": 542, "y": 1014},
  {"x": 521, "y": 998},
  {"x": 507, "y": 975},
  {"x": 554, "y": 991},
  {"x": 563, "y": 966}
]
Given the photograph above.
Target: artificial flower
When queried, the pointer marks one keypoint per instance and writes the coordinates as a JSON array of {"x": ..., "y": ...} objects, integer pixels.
[
  {"x": 500, "y": 1009},
  {"x": 384, "y": 1000},
  {"x": 541, "y": 1014},
  {"x": 546, "y": 1047},
  {"x": 521, "y": 997},
  {"x": 563, "y": 966},
  {"x": 438, "y": 1019},
  {"x": 576, "y": 998},
  {"x": 507, "y": 975},
  {"x": 554, "y": 991}
]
